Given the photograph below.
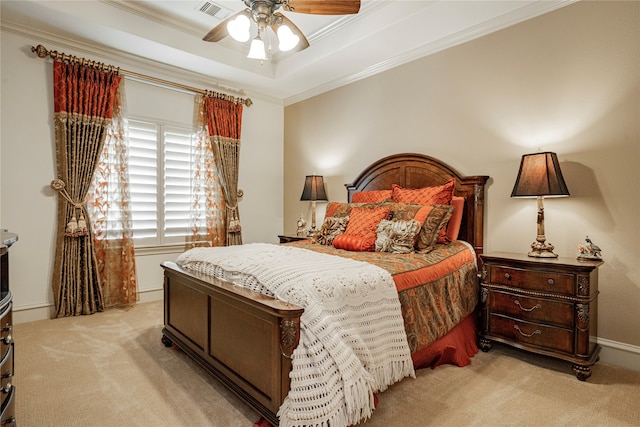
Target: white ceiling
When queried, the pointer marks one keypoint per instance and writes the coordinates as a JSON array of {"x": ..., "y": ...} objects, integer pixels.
[{"x": 384, "y": 34}]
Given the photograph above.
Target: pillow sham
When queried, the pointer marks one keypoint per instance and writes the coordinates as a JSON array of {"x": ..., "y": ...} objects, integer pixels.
[
  {"x": 331, "y": 227},
  {"x": 397, "y": 237},
  {"x": 363, "y": 222},
  {"x": 436, "y": 195},
  {"x": 453, "y": 226},
  {"x": 436, "y": 220},
  {"x": 371, "y": 196}
]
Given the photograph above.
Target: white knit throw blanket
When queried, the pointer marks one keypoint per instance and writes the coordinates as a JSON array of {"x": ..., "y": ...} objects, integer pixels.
[{"x": 352, "y": 340}]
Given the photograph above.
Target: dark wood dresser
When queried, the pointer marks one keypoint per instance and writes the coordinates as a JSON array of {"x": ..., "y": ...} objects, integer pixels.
[
  {"x": 7, "y": 389},
  {"x": 547, "y": 306}
]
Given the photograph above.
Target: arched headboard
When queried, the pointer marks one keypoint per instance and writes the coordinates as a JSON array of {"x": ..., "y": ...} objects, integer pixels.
[{"x": 410, "y": 170}]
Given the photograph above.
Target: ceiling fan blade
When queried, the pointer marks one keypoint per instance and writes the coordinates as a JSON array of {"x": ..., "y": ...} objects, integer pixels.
[
  {"x": 220, "y": 31},
  {"x": 303, "y": 43},
  {"x": 324, "y": 7}
]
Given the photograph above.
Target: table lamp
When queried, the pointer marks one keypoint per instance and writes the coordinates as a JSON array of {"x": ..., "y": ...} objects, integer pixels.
[
  {"x": 540, "y": 176},
  {"x": 313, "y": 191}
]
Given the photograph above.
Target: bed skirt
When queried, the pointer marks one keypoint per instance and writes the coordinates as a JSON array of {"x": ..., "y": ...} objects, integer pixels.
[{"x": 457, "y": 347}]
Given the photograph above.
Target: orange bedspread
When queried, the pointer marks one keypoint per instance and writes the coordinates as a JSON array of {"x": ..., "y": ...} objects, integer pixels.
[{"x": 437, "y": 291}]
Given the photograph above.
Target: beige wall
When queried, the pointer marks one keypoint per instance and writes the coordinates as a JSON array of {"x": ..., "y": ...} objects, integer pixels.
[{"x": 567, "y": 82}]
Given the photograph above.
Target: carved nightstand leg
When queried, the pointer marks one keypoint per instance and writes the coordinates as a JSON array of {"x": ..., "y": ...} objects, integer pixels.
[
  {"x": 485, "y": 344},
  {"x": 166, "y": 341},
  {"x": 582, "y": 372}
]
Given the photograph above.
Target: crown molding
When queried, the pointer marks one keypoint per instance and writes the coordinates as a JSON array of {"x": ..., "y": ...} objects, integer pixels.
[{"x": 461, "y": 37}]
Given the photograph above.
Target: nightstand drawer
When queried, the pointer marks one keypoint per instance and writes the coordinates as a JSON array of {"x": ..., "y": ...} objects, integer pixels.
[
  {"x": 533, "y": 280},
  {"x": 548, "y": 311},
  {"x": 532, "y": 333}
]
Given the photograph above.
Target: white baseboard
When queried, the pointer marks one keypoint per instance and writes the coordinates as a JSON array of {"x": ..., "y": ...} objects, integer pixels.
[
  {"x": 46, "y": 311},
  {"x": 32, "y": 313},
  {"x": 149, "y": 295},
  {"x": 620, "y": 354}
]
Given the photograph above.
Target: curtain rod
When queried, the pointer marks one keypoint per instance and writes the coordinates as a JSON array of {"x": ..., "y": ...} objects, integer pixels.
[{"x": 42, "y": 52}]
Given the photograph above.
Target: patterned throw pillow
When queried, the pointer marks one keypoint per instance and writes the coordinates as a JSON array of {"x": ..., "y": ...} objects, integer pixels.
[
  {"x": 437, "y": 195},
  {"x": 405, "y": 211},
  {"x": 371, "y": 196},
  {"x": 343, "y": 209},
  {"x": 331, "y": 227},
  {"x": 436, "y": 220},
  {"x": 363, "y": 222},
  {"x": 397, "y": 237},
  {"x": 401, "y": 211}
]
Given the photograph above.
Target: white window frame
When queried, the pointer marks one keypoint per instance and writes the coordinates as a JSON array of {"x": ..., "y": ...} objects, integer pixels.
[{"x": 160, "y": 240}]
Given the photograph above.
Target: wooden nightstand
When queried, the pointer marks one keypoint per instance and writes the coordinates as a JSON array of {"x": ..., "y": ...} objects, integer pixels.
[
  {"x": 544, "y": 305},
  {"x": 287, "y": 239}
]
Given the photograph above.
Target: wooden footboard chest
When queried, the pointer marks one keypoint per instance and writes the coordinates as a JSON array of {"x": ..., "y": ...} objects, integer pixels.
[{"x": 243, "y": 338}]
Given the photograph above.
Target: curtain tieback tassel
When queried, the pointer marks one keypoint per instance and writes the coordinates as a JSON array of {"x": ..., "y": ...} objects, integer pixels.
[
  {"x": 75, "y": 227},
  {"x": 234, "y": 222}
]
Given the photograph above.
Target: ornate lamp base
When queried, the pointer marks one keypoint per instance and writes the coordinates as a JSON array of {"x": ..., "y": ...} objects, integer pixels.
[{"x": 541, "y": 249}]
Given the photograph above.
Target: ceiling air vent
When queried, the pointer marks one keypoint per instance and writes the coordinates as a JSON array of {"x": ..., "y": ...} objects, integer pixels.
[{"x": 214, "y": 10}]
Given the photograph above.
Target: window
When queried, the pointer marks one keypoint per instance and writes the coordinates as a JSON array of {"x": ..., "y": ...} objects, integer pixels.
[{"x": 160, "y": 158}]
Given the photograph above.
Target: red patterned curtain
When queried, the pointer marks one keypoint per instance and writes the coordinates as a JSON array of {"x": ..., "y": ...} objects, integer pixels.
[
  {"x": 224, "y": 122},
  {"x": 83, "y": 107}
]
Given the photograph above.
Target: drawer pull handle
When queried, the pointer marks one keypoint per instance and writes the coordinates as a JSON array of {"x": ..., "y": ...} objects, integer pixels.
[
  {"x": 7, "y": 339},
  {"x": 551, "y": 281},
  {"x": 516, "y": 302},
  {"x": 7, "y": 388},
  {"x": 507, "y": 276},
  {"x": 536, "y": 332}
]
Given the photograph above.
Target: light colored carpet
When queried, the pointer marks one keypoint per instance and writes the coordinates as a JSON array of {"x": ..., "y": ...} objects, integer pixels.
[{"x": 110, "y": 369}]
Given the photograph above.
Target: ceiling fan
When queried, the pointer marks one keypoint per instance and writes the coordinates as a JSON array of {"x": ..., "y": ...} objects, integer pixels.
[{"x": 263, "y": 14}]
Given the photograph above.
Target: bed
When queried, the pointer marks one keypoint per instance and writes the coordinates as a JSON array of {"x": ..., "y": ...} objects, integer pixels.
[{"x": 246, "y": 339}]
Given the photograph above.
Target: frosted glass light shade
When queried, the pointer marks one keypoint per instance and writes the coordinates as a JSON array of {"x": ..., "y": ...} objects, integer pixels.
[
  {"x": 287, "y": 39},
  {"x": 239, "y": 28},
  {"x": 257, "y": 51}
]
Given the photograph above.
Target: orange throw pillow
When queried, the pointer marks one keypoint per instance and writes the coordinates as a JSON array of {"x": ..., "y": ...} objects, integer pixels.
[
  {"x": 351, "y": 242},
  {"x": 363, "y": 223},
  {"x": 437, "y": 195},
  {"x": 453, "y": 227},
  {"x": 371, "y": 196}
]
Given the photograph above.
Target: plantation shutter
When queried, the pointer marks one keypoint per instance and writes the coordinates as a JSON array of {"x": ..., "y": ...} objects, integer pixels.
[
  {"x": 143, "y": 179},
  {"x": 177, "y": 184}
]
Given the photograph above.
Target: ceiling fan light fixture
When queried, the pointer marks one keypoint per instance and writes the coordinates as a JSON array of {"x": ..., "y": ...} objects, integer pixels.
[
  {"x": 257, "y": 49},
  {"x": 238, "y": 28},
  {"x": 287, "y": 40}
]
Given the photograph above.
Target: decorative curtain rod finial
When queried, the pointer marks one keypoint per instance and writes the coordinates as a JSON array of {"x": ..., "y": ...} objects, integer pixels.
[{"x": 40, "y": 50}]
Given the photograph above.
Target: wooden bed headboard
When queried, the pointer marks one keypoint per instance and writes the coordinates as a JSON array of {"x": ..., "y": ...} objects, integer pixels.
[{"x": 411, "y": 170}]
